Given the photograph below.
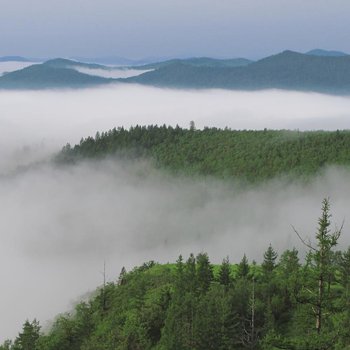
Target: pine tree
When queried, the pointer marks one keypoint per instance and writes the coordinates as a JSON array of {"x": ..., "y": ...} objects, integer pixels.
[
  {"x": 179, "y": 283},
  {"x": 243, "y": 268},
  {"x": 225, "y": 273},
  {"x": 204, "y": 272},
  {"x": 269, "y": 262},
  {"x": 121, "y": 278},
  {"x": 190, "y": 274},
  {"x": 27, "y": 339},
  {"x": 317, "y": 291}
]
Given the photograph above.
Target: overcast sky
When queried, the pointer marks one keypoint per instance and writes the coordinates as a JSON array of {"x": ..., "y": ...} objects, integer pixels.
[{"x": 163, "y": 28}]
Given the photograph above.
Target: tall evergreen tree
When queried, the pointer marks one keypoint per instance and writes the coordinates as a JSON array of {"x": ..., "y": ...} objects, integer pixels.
[
  {"x": 243, "y": 268},
  {"x": 190, "y": 273},
  {"x": 317, "y": 293},
  {"x": 204, "y": 272},
  {"x": 269, "y": 262},
  {"x": 225, "y": 273},
  {"x": 28, "y": 338}
]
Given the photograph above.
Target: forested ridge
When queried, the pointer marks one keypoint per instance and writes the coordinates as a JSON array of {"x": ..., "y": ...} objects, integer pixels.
[
  {"x": 287, "y": 70},
  {"x": 282, "y": 303},
  {"x": 247, "y": 155}
]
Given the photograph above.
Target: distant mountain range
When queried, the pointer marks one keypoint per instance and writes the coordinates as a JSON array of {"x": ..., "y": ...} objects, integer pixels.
[
  {"x": 44, "y": 76},
  {"x": 198, "y": 62},
  {"x": 18, "y": 59},
  {"x": 288, "y": 70},
  {"x": 65, "y": 63},
  {"x": 317, "y": 70},
  {"x": 113, "y": 60}
]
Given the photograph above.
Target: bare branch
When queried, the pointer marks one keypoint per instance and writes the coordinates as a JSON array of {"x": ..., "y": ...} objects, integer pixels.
[{"x": 303, "y": 240}]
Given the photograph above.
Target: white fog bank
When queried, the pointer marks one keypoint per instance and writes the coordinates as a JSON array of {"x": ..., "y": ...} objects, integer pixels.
[
  {"x": 58, "y": 225},
  {"x": 30, "y": 120},
  {"x": 112, "y": 73}
]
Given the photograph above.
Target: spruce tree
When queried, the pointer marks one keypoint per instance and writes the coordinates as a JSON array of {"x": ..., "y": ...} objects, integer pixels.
[
  {"x": 317, "y": 293},
  {"x": 28, "y": 338},
  {"x": 204, "y": 272},
  {"x": 243, "y": 268},
  {"x": 269, "y": 262},
  {"x": 225, "y": 273}
]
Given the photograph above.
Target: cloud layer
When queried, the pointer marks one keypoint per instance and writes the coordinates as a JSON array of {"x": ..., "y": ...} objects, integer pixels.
[
  {"x": 31, "y": 120},
  {"x": 59, "y": 224},
  {"x": 112, "y": 73}
]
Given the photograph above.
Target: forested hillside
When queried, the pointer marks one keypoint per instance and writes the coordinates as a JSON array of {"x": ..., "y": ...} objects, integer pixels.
[
  {"x": 48, "y": 76},
  {"x": 287, "y": 70},
  {"x": 246, "y": 155},
  {"x": 198, "y": 62},
  {"x": 283, "y": 303},
  {"x": 323, "y": 72}
]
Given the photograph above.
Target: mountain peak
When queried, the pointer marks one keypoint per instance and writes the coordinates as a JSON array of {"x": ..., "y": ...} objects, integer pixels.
[{"x": 329, "y": 53}]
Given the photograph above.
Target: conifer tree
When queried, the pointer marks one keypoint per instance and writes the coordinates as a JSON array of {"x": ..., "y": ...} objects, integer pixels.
[
  {"x": 204, "y": 272},
  {"x": 225, "y": 273},
  {"x": 243, "y": 268},
  {"x": 27, "y": 339},
  {"x": 316, "y": 290},
  {"x": 269, "y": 262}
]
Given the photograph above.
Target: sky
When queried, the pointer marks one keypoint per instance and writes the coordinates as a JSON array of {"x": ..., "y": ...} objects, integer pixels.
[{"x": 166, "y": 28}]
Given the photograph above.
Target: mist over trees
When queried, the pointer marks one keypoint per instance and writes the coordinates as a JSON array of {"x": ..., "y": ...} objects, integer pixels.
[
  {"x": 282, "y": 303},
  {"x": 247, "y": 155}
]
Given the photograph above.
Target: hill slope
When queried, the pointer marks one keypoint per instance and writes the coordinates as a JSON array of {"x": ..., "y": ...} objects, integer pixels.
[
  {"x": 287, "y": 70},
  {"x": 199, "y": 62},
  {"x": 43, "y": 76},
  {"x": 194, "y": 305},
  {"x": 246, "y": 155},
  {"x": 66, "y": 63},
  {"x": 320, "y": 52},
  {"x": 16, "y": 59}
]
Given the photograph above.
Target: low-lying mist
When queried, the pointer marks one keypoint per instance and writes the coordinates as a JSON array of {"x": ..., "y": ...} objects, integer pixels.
[
  {"x": 111, "y": 73},
  {"x": 59, "y": 224},
  {"x": 6, "y": 67},
  {"x": 39, "y": 122}
]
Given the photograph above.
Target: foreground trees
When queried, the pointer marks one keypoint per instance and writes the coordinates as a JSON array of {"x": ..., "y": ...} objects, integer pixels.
[{"x": 193, "y": 305}]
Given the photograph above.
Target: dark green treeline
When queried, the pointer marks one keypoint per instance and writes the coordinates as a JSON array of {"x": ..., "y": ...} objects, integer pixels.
[
  {"x": 246, "y": 155},
  {"x": 282, "y": 303}
]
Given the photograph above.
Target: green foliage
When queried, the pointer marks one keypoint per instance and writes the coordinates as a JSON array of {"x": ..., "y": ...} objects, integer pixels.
[
  {"x": 225, "y": 273},
  {"x": 269, "y": 262},
  {"x": 274, "y": 305},
  {"x": 28, "y": 338},
  {"x": 204, "y": 272},
  {"x": 249, "y": 156},
  {"x": 243, "y": 268}
]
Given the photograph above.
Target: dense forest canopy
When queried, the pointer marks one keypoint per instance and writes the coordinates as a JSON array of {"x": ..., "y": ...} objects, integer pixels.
[
  {"x": 282, "y": 303},
  {"x": 247, "y": 155}
]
